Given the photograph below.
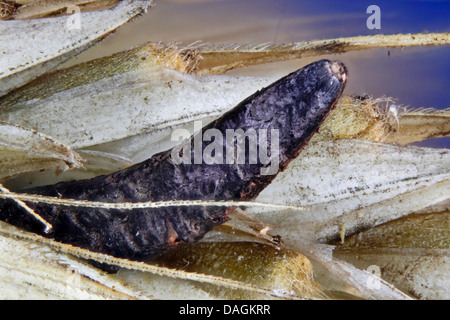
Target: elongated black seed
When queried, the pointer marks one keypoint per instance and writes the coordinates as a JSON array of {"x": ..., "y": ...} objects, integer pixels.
[{"x": 295, "y": 105}]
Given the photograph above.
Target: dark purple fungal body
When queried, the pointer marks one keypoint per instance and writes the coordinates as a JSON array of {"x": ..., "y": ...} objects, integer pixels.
[{"x": 296, "y": 105}]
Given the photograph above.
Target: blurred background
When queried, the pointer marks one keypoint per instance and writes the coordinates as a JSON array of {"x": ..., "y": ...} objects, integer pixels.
[{"x": 414, "y": 77}]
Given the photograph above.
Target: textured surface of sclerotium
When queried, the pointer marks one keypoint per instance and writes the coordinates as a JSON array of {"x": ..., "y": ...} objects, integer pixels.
[{"x": 293, "y": 106}]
